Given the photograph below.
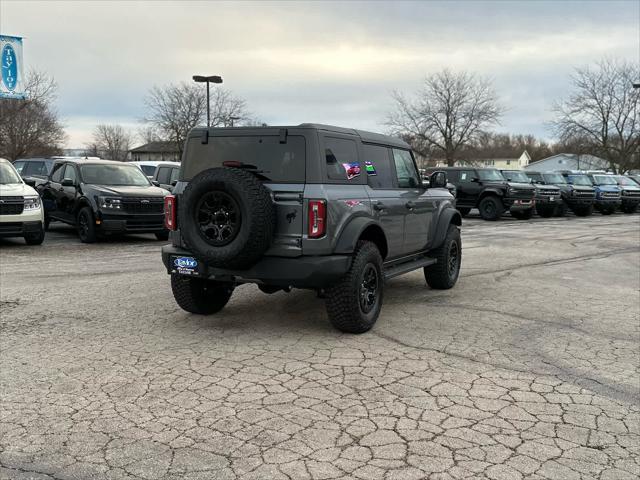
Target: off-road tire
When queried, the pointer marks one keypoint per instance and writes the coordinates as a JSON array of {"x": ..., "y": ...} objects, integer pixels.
[
  {"x": 47, "y": 222},
  {"x": 162, "y": 236},
  {"x": 583, "y": 210},
  {"x": 86, "y": 231},
  {"x": 523, "y": 214},
  {"x": 443, "y": 274},
  {"x": 200, "y": 296},
  {"x": 629, "y": 208},
  {"x": 547, "y": 212},
  {"x": 343, "y": 299},
  {"x": 254, "y": 207},
  {"x": 491, "y": 208},
  {"x": 464, "y": 211},
  {"x": 35, "y": 238}
]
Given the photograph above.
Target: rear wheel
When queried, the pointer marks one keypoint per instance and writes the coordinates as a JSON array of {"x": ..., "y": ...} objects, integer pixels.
[
  {"x": 444, "y": 274},
  {"x": 561, "y": 211},
  {"x": 198, "y": 295},
  {"x": 86, "y": 226},
  {"x": 523, "y": 214},
  {"x": 491, "y": 208},
  {"x": 354, "y": 302},
  {"x": 464, "y": 211}
]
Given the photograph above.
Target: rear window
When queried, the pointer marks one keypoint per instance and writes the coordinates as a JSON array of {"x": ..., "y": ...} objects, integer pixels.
[{"x": 278, "y": 162}]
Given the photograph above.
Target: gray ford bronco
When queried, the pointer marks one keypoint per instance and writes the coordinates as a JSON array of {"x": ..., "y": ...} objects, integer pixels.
[{"x": 312, "y": 206}]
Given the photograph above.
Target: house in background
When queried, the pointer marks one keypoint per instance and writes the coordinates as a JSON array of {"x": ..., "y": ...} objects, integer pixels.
[
  {"x": 569, "y": 161},
  {"x": 155, "y": 152},
  {"x": 501, "y": 163}
]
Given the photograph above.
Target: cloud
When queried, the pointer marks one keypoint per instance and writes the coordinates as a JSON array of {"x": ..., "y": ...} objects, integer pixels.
[{"x": 325, "y": 61}]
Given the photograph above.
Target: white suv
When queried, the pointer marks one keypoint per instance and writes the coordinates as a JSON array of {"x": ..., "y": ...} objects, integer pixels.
[{"x": 21, "y": 212}]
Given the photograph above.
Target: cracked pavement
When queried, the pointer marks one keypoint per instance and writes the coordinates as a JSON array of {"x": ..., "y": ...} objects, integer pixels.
[{"x": 528, "y": 368}]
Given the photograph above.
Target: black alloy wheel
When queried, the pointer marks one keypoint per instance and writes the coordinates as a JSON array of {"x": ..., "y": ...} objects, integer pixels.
[
  {"x": 369, "y": 288},
  {"x": 219, "y": 218},
  {"x": 453, "y": 263}
]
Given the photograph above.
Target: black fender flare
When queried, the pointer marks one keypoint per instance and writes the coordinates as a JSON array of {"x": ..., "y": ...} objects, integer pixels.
[
  {"x": 447, "y": 217},
  {"x": 350, "y": 234}
]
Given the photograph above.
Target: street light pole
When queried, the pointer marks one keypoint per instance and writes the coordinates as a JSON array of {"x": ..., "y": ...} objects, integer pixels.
[{"x": 207, "y": 80}]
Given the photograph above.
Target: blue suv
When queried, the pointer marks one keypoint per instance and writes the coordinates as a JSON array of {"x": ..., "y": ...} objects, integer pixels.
[{"x": 608, "y": 195}]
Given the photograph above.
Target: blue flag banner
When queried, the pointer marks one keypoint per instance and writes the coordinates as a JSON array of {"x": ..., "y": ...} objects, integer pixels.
[{"x": 12, "y": 74}]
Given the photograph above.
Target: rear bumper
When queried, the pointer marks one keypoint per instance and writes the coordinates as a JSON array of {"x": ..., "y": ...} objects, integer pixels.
[
  {"x": 300, "y": 272},
  {"x": 19, "y": 229}
]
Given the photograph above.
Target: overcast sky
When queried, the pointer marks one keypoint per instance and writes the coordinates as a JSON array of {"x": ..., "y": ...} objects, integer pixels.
[{"x": 329, "y": 62}]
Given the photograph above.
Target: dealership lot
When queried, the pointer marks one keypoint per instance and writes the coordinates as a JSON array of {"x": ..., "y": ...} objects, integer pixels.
[{"x": 527, "y": 368}]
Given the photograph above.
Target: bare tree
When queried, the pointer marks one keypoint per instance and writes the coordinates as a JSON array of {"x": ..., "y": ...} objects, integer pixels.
[
  {"x": 601, "y": 114},
  {"x": 111, "y": 141},
  {"x": 447, "y": 114},
  {"x": 175, "y": 109},
  {"x": 30, "y": 127}
]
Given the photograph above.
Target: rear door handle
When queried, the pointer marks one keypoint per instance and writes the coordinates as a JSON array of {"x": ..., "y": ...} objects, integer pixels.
[
  {"x": 410, "y": 205},
  {"x": 379, "y": 206}
]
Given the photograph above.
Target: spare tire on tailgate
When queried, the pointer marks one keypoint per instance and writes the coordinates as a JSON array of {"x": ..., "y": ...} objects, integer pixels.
[{"x": 227, "y": 218}]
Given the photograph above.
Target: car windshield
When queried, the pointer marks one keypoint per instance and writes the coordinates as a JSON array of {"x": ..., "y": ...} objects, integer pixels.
[
  {"x": 627, "y": 182},
  {"x": 580, "y": 180},
  {"x": 554, "y": 178},
  {"x": 8, "y": 175},
  {"x": 490, "y": 175},
  {"x": 122, "y": 175},
  {"x": 604, "y": 180},
  {"x": 517, "y": 177}
]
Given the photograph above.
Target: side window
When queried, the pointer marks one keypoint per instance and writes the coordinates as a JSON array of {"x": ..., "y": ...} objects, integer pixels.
[
  {"x": 453, "y": 175},
  {"x": 405, "y": 169},
  {"x": 19, "y": 166},
  {"x": 163, "y": 175},
  {"x": 342, "y": 158},
  {"x": 378, "y": 166},
  {"x": 466, "y": 176},
  {"x": 175, "y": 173},
  {"x": 70, "y": 172},
  {"x": 35, "y": 168},
  {"x": 56, "y": 176}
]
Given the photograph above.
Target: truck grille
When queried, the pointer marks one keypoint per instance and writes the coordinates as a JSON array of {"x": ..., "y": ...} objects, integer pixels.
[
  {"x": 11, "y": 205},
  {"x": 524, "y": 194},
  {"x": 584, "y": 194},
  {"x": 633, "y": 193},
  {"x": 548, "y": 192},
  {"x": 145, "y": 224},
  {"x": 143, "y": 205},
  {"x": 610, "y": 195}
]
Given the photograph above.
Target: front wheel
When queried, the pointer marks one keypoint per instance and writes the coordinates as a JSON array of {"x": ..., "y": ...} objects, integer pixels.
[
  {"x": 445, "y": 272},
  {"x": 546, "y": 212},
  {"x": 354, "y": 302},
  {"x": 198, "y": 295},
  {"x": 86, "y": 226},
  {"x": 523, "y": 214},
  {"x": 35, "y": 238},
  {"x": 464, "y": 211},
  {"x": 629, "y": 208},
  {"x": 491, "y": 208}
]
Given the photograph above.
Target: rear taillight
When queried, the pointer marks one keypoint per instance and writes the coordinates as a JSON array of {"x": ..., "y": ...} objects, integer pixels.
[
  {"x": 170, "y": 212},
  {"x": 317, "y": 218}
]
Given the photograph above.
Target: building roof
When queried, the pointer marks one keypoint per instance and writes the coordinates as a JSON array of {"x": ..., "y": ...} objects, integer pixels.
[
  {"x": 157, "y": 147},
  {"x": 586, "y": 159}
]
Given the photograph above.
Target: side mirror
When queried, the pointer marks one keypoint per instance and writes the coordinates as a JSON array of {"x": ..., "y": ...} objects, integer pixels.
[
  {"x": 156, "y": 183},
  {"x": 67, "y": 182},
  {"x": 438, "y": 180},
  {"x": 475, "y": 179},
  {"x": 30, "y": 182},
  {"x": 173, "y": 184}
]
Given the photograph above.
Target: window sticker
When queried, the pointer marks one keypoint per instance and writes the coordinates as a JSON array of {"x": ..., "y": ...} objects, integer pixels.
[
  {"x": 371, "y": 170},
  {"x": 352, "y": 169}
]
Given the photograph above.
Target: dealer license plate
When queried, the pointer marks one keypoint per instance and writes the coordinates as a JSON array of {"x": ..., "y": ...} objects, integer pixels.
[{"x": 185, "y": 266}]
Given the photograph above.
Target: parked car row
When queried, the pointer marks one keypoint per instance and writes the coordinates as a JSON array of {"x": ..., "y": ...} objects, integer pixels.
[
  {"x": 97, "y": 197},
  {"x": 494, "y": 192}
]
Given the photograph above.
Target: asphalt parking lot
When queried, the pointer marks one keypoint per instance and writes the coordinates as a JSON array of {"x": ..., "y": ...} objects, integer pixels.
[{"x": 528, "y": 368}]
